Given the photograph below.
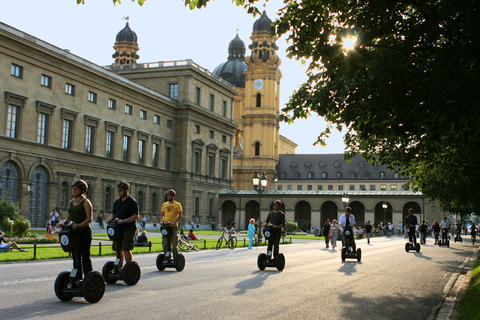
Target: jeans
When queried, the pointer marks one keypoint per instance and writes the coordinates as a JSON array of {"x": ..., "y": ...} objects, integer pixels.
[
  {"x": 83, "y": 255},
  {"x": 275, "y": 243},
  {"x": 173, "y": 242}
]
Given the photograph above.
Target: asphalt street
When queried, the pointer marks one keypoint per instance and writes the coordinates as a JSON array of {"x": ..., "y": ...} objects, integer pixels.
[{"x": 226, "y": 284}]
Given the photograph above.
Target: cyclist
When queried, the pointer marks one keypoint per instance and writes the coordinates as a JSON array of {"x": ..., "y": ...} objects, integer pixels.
[
  {"x": 410, "y": 223},
  {"x": 276, "y": 218},
  {"x": 80, "y": 212},
  {"x": 125, "y": 210},
  {"x": 171, "y": 214}
]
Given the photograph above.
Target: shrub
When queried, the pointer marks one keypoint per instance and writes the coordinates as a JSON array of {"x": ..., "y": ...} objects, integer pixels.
[
  {"x": 9, "y": 212},
  {"x": 290, "y": 227},
  {"x": 21, "y": 228},
  {"x": 6, "y": 225}
]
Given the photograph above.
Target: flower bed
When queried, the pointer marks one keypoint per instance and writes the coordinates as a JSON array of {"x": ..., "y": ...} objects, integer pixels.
[{"x": 36, "y": 238}]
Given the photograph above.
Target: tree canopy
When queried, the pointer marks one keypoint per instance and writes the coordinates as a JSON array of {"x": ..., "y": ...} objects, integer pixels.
[{"x": 407, "y": 91}]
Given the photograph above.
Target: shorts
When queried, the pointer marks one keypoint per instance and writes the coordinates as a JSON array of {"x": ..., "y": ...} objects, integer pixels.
[{"x": 128, "y": 240}]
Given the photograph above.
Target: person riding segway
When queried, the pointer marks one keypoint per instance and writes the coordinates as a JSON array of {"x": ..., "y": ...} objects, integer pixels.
[
  {"x": 458, "y": 232},
  {"x": 273, "y": 232},
  {"x": 349, "y": 248},
  {"x": 444, "y": 228},
  {"x": 76, "y": 237},
  {"x": 410, "y": 224},
  {"x": 121, "y": 227},
  {"x": 171, "y": 214}
]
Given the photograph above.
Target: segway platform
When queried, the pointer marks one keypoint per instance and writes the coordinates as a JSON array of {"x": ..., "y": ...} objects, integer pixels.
[
  {"x": 444, "y": 241},
  {"x": 350, "y": 251},
  {"x": 166, "y": 260},
  {"x": 411, "y": 245}
]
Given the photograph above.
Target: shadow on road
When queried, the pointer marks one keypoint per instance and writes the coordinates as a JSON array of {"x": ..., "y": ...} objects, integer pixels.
[
  {"x": 255, "y": 282},
  {"x": 349, "y": 267}
]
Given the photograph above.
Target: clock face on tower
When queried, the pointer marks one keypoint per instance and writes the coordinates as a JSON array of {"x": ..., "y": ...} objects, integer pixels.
[{"x": 258, "y": 84}]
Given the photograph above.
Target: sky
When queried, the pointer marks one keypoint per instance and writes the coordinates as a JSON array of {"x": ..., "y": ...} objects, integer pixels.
[{"x": 166, "y": 31}]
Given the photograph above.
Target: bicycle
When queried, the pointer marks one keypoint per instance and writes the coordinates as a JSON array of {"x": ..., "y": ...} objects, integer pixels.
[
  {"x": 231, "y": 242},
  {"x": 185, "y": 245}
]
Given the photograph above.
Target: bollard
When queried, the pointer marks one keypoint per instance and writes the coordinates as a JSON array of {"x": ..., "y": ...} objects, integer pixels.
[
  {"x": 244, "y": 242},
  {"x": 204, "y": 243},
  {"x": 34, "y": 251},
  {"x": 150, "y": 247},
  {"x": 100, "y": 249}
]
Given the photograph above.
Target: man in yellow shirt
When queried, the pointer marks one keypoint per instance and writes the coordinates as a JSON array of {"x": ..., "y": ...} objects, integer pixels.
[{"x": 171, "y": 214}]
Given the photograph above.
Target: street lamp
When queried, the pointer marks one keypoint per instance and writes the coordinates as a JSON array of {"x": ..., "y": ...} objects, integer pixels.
[
  {"x": 345, "y": 200},
  {"x": 259, "y": 184}
]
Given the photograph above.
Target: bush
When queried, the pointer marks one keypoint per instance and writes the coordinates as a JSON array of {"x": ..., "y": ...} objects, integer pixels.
[
  {"x": 21, "y": 228},
  {"x": 9, "y": 212},
  {"x": 6, "y": 225},
  {"x": 290, "y": 227}
]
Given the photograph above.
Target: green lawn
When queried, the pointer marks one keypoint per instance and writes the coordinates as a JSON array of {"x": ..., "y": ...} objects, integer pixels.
[{"x": 469, "y": 305}]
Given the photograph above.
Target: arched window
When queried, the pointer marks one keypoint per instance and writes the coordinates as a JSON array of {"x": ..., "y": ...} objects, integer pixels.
[
  {"x": 90, "y": 192},
  {"x": 197, "y": 206},
  {"x": 140, "y": 201},
  {"x": 367, "y": 174},
  {"x": 64, "y": 194},
  {"x": 210, "y": 208},
  {"x": 108, "y": 198},
  {"x": 259, "y": 100},
  {"x": 297, "y": 175},
  {"x": 353, "y": 175},
  {"x": 154, "y": 203},
  {"x": 257, "y": 149},
  {"x": 338, "y": 175}
]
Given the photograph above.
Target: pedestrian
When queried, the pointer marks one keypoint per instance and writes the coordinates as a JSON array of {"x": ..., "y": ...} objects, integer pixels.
[
  {"x": 53, "y": 218},
  {"x": 192, "y": 223},
  {"x": 80, "y": 213},
  {"x": 125, "y": 210},
  {"x": 368, "y": 231},
  {"x": 436, "y": 230},
  {"x": 144, "y": 222},
  {"x": 399, "y": 229},
  {"x": 326, "y": 232},
  {"x": 333, "y": 233},
  {"x": 213, "y": 225},
  {"x": 251, "y": 232},
  {"x": 171, "y": 214}
]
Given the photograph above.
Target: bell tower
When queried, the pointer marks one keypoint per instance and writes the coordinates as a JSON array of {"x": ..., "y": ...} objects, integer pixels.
[
  {"x": 126, "y": 47},
  {"x": 259, "y": 120}
]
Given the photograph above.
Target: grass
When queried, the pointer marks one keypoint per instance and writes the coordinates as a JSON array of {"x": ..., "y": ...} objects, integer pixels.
[{"x": 469, "y": 309}]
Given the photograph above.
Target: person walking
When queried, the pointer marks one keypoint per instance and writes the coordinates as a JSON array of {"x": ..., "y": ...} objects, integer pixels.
[
  {"x": 368, "y": 231},
  {"x": 326, "y": 232},
  {"x": 171, "y": 214},
  {"x": 333, "y": 233},
  {"x": 251, "y": 232},
  {"x": 53, "y": 218}
]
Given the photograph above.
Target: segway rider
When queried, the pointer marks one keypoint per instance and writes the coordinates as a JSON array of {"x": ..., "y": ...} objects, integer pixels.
[
  {"x": 410, "y": 223},
  {"x": 80, "y": 213},
  {"x": 347, "y": 219},
  {"x": 458, "y": 228},
  {"x": 125, "y": 210},
  {"x": 171, "y": 214},
  {"x": 276, "y": 218},
  {"x": 436, "y": 231},
  {"x": 473, "y": 231},
  {"x": 444, "y": 225}
]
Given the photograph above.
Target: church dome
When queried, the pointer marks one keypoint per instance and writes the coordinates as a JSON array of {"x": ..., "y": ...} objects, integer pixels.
[
  {"x": 263, "y": 23},
  {"x": 127, "y": 35},
  {"x": 232, "y": 70}
]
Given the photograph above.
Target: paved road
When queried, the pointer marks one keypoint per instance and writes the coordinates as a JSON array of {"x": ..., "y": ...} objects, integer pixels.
[{"x": 388, "y": 284}]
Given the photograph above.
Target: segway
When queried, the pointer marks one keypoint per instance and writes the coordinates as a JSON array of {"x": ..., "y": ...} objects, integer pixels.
[
  {"x": 166, "y": 260},
  {"x": 458, "y": 236},
  {"x": 412, "y": 245},
  {"x": 350, "y": 251},
  {"x": 130, "y": 273},
  {"x": 444, "y": 241},
  {"x": 67, "y": 284},
  {"x": 266, "y": 260}
]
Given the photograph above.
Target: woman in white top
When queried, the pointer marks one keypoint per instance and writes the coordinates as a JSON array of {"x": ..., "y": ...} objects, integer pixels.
[{"x": 333, "y": 233}]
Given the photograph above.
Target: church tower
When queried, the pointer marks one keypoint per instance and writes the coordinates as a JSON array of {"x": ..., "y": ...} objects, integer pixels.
[
  {"x": 261, "y": 107},
  {"x": 126, "y": 47}
]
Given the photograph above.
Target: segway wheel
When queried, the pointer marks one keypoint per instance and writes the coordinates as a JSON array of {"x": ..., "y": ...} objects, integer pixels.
[
  {"x": 262, "y": 258},
  {"x": 417, "y": 247},
  {"x": 179, "y": 263},
  {"x": 344, "y": 253},
  {"x": 359, "y": 254},
  {"x": 131, "y": 273},
  {"x": 160, "y": 265},
  {"x": 407, "y": 247},
  {"x": 60, "y": 284},
  {"x": 107, "y": 271},
  {"x": 280, "y": 262},
  {"x": 448, "y": 243},
  {"x": 93, "y": 287}
]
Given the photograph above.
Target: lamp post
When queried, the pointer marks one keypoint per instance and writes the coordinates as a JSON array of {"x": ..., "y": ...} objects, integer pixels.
[
  {"x": 384, "y": 206},
  {"x": 345, "y": 200},
  {"x": 259, "y": 184}
]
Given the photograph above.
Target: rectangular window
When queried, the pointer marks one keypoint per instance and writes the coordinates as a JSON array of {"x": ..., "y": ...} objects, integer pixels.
[
  {"x": 224, "y": 169},
  {"x": 42, "y": 128},
  {"x": 169, "y": 124},
  {"x": 92, "y": 97},
  {"x": 168, "y": 155},
  {"x": 289, "y": 187},
  {"x": 141, "y": 151},
  {"x": 70, "y": 89},
  {"x": 128, "y": 109},
  {"x": 173, "y": 90},
  {"x": 126, "y": 148},
  {"x": 46, "y": 81},
  {"x": 319, "y": 187},
  {"x": 224, "y": 138},
  {"x": 109, "y": 145},
  {"x": 340, "y": 187},
  {"x": 12, "y": 121},
  {"x": 224, "y": 109},
  {"x": 155, "y": 155},
  {"x": 396, "y": 175},
  {"x": 299, "y": 187},
  {"x": 17, "y": 71},
  {"x": 211, "y": 164},
  {"x": 383, "y": 187},
  {"x": 309, "y": 187},
  {"x": 372, "y": 187},
  {"x": 280, "y": 187},
  {"x": 212, "y": 102},
  {"x": 143, "y": 114},
  {"x": 156, "y": 119},
  {"x": 67, "y": 134},
  {"x": 330, "y": 187},
  {"x": 210, "y": 134},
  {"x": 197, "y": 97},
  {"x": 352, "y": 187},
  {"x": 362, "y": 187},
  {"x": 197, "y": 129},
  {"x": 393, "y": 187},
  {"x": 112, "y": 104},
  {"x": 196, "y": 162},
  {"x": 89, "y": 139}
]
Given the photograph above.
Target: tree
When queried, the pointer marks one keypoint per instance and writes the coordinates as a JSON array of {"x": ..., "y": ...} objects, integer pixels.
[{"x": 406, "y": 94}]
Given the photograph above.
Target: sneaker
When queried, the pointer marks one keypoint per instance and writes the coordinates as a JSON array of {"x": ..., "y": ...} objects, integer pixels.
[{"x": 23, "y": 250}]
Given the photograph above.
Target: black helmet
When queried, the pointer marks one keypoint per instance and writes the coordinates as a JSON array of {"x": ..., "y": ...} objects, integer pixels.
[
  {"x": 172, "y": 192},
  {"x": 82, "y": 185},
  {"x": 123, "y": 185},
  {"x": 277, "y": 202}
]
